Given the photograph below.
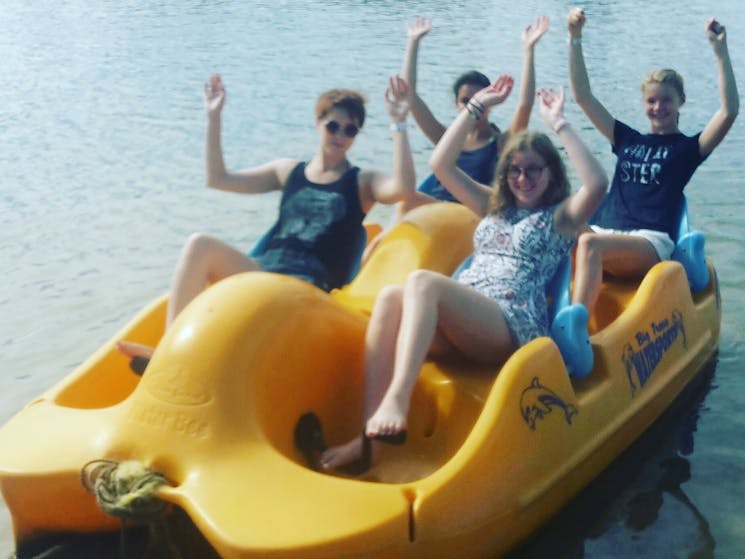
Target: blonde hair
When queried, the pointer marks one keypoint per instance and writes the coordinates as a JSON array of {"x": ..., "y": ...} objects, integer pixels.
[
  {"x": 558, "y": 187},
  {"x": 665, "y": 76}
]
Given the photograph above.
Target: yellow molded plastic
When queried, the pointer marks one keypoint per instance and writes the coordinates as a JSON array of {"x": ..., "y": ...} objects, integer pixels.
[{"x": 491, "y": 453}]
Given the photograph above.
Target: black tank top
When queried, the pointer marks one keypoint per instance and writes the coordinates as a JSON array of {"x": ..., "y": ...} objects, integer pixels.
[{"x": 317, "y": 234}]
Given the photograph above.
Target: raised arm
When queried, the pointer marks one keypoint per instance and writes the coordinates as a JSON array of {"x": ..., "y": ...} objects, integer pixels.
[
  {"x": 424, "y": 118},
  {"x": 443, "y": 162},
  {"x": 579, "y": 80},
  {"x": 530, "y": 36},
  {"x": 573, "y": 213},
  {"x": 722, "y": 120},
  {"x": 376, "y": 187},
  {"x": 270, "y": 176}
]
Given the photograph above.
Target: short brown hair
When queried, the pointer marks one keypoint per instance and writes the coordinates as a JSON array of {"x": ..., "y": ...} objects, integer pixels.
[{"x": 346, "y": 99}]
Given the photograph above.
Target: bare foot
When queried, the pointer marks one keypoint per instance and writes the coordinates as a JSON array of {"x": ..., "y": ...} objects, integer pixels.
[
  {"x": 388, "y": 420},
  {"x": 341, "y": 455},
  {"x": 132, "y": 349}
]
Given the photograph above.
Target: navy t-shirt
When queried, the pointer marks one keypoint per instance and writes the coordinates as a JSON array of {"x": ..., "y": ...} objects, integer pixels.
[{"x": 651, "y": 172}]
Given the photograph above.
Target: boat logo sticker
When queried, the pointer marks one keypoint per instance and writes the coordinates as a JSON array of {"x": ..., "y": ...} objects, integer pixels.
[
  {"x": 177, "y": 386},
  {"x": 651, "y": 346},
  {"x": 537, "y": 401}
]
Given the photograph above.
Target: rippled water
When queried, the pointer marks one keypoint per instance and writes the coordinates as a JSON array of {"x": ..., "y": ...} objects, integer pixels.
[{"x": 101, "y": 130}]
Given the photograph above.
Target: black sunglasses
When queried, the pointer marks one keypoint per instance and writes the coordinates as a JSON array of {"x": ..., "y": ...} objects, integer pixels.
[{"x": 350, "y": 130}]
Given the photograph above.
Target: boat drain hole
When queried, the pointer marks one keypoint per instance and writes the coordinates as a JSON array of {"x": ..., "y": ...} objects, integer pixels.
[{"x": 410, "y": 496}]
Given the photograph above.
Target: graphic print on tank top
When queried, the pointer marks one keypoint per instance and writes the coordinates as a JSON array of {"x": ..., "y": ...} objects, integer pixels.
[{"x": 311, "y": 213}]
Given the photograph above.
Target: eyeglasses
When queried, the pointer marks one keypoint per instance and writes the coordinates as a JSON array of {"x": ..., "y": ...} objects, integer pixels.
[
  {"x": 531, "y": 172},
  {"x": 350, "y": 130}
]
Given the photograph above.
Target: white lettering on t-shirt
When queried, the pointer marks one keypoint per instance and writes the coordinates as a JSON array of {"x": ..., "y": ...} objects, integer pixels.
[
  {"x": 636, "y": 166},
  {"x": 642, "y": 173}
]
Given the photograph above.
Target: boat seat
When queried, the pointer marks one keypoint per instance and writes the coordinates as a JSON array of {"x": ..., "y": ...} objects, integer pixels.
[
  {"x": 354, "y": 266},
  {"x": 689, "y": 250},
  {"x": 569, "y": 330}
]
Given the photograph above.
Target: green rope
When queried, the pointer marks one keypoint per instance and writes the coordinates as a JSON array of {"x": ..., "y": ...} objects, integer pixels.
[{"x": 126, "y": 490}]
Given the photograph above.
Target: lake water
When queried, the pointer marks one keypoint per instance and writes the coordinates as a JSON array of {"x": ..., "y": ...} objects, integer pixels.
[{"x": 101, "y": 167}]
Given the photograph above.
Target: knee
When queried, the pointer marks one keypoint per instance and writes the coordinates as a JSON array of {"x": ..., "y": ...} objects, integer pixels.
[
  {"x": 197, "y": 245},
  {"x": 422, "y": 284},
  {"x": 589, "y": 247},
  {"x": 389, "y": 299}
]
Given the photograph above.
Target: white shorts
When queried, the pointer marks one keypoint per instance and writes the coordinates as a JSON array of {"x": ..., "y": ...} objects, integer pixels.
[{"x": 660, "y": 240}]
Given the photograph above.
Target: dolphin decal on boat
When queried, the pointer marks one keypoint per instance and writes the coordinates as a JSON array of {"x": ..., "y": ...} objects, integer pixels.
[{"x": 537, "y": 401}]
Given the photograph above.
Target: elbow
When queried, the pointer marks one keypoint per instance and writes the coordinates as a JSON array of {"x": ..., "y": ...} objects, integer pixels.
[
  {"x": 216, "y": 180},
  {"x": 733, "y": 111},
  {"x": 436, "y": 164},
  {"x": 600, "y": 187},
  {"x": 582, "y": 98},
  {"x": 582, "y": 94},
  {"x": 211, "y": 181}
]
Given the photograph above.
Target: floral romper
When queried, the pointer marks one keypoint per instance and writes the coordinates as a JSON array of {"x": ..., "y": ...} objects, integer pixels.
[{"x": 516, "y": 254}]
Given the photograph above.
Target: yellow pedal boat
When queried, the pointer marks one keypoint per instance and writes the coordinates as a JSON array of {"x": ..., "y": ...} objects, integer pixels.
[{"x": 490, "y": 456}]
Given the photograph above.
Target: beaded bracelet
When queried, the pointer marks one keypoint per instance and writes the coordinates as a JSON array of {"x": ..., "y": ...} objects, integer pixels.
[
  {"x": 473, "y": 112},
  {"x": 475, "y": 109},
  {"x": 477, "y": 104}
]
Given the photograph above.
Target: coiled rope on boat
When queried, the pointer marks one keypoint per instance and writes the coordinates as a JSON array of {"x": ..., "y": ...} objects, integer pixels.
[{"x": 127, "y": 491}]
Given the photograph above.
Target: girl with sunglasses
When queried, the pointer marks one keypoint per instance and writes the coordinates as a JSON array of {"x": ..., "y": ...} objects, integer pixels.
[
  {"x": 530, "y": 222},
  {"x": 323, "y": 200},
  {"x": 635, "y": 226}
]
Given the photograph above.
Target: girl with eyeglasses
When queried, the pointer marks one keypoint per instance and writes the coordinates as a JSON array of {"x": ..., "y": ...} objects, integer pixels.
[
  {"x": 323, "y": 203},
  {"x": 482, "y": 145},
  {"x": 529, "y": 223},
  {"x": 636, "y": 224}
]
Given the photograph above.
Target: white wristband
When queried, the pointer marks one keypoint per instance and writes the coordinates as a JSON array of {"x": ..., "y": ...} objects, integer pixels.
[
  {"x": 559, "y": 124},
  {"x": 399, "y": 126}
]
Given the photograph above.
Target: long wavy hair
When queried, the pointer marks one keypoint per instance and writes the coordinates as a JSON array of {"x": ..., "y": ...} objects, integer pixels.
[{"x": 558, "y": 186}]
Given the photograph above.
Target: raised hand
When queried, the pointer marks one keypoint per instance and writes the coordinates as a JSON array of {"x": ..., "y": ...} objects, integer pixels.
[
  {"x": 495, "y": 93},
  {"x": 532, "y": 33},
  {"x": 552, "y": 105},
  {"x": 716, "y": 33},
  {"x": 397, "y": 98},
  {"x": 214, "y": 94},
  {"x": 576, "y": 21},
  {"x": 418, "y": 29}
]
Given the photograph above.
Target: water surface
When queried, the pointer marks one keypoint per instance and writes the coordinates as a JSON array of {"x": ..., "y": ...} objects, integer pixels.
[{"x": 101, "y": 130}]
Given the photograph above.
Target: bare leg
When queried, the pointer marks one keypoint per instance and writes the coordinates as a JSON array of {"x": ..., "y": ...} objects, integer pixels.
[
  {"x": 380, "y": 340},
  {"x": 203, "y": 260},
  {"x": 132, "y": 349},
  {"x": 625, "y": 256},
  {"x": 432, "y": 314},
  {"x": 436, "y": 305}
]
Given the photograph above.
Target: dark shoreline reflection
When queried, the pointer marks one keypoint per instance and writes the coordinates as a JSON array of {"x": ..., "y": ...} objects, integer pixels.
[{"x": 628, "y": 496}]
